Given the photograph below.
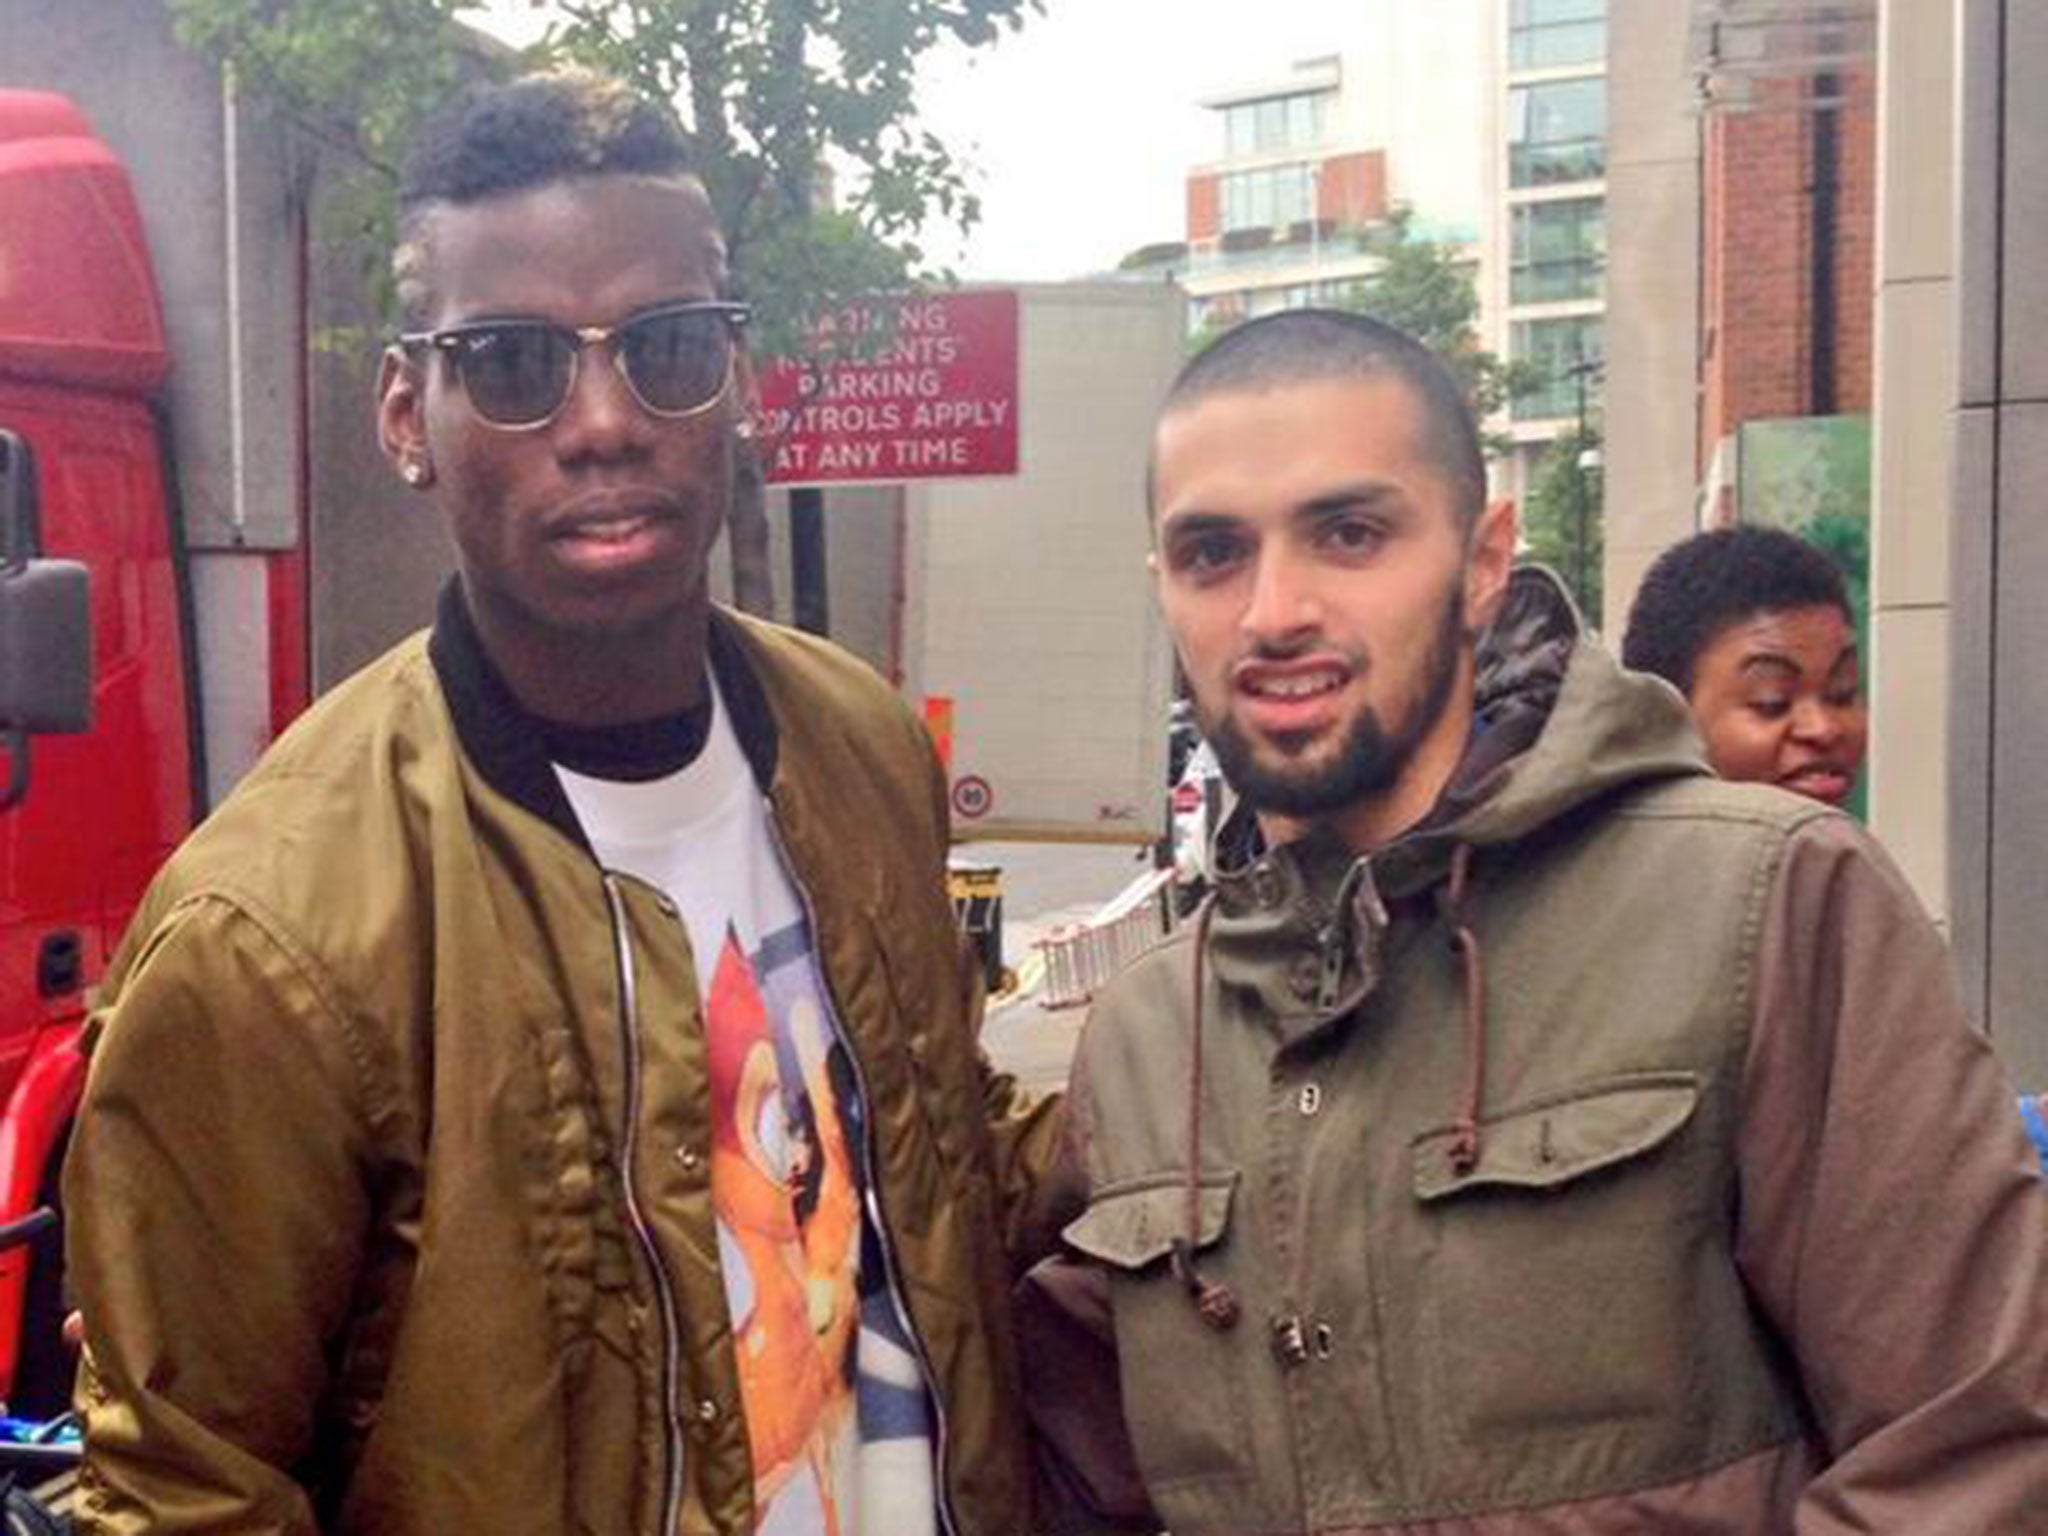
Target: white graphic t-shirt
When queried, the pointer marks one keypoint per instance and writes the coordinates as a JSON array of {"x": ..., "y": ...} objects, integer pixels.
[{"x": 838, "y": 1420}]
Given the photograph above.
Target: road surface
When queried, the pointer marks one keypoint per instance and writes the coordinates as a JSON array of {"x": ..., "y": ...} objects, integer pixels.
[{"x": 1045, "y": 885}]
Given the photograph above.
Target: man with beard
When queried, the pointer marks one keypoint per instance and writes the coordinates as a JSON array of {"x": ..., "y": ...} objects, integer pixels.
[{"x": 1534, "y": 1132}]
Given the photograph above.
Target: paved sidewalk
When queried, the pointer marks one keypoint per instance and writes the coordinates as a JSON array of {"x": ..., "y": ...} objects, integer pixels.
[
  {"x": 1045, "y": 886},
  {"x": 1022, "y": 1037}
]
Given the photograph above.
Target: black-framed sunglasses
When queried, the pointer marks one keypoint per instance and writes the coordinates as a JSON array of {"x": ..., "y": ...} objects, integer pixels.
[{"x": 677, "y": 360}]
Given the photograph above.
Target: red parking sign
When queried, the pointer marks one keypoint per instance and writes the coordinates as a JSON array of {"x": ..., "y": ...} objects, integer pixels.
[{"x": 914, "y": 387}]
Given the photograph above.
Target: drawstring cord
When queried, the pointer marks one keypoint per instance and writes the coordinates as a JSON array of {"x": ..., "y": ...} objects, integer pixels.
[
  {"x": 1216, "y": 1301},
  {"x": 1465, "y": 945}
]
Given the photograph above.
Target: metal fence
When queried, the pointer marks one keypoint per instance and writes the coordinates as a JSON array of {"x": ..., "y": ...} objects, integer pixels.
[{"x": 1081, "y": 957}]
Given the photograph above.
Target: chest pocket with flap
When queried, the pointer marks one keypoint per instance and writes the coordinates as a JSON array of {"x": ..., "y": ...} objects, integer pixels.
[
  {"x": 1561, "y": 1269},
  {"x": 1561, "y": 1138},
  {"x": 1181, "y": 1379},
  {"x": 1131, "y": 1224}
]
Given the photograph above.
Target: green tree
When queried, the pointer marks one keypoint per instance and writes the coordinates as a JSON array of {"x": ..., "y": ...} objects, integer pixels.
[
  {"x": 1428, "y": 289},
  {"x": 353, "y": 76},
  {"x": 776, "y": 96},
  {"x": 1561, "y": 521},
  {"x": 780, "y": 99}
]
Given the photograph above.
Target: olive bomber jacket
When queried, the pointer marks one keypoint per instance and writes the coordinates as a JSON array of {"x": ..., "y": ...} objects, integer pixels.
[
  {"x": 377, "y": 1213},
  {"x": 1611, "y": 1156}
]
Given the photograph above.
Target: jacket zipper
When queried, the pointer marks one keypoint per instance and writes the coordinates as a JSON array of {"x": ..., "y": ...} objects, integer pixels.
[
  {"x": 1358, "y": 896},
  {"x": 872, "y": 1193},
  {"x": 629, "y": 1021}
]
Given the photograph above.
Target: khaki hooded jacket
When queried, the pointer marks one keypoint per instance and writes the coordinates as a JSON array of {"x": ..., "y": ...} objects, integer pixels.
[
  {"x": 389, "y": 1204},
  {"x": 1607, "y": 1156}
]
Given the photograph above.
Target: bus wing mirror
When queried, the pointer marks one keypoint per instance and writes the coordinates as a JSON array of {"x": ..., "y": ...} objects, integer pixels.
[{"x": 45, "y": 627}]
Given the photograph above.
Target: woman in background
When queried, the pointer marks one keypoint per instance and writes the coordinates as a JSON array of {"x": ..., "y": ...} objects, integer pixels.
[{"x": 1753, "y": 626}]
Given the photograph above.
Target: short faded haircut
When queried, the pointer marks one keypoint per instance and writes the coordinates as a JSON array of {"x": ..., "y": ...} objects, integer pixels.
[
  {"x": 497, "y": 139},
  {"x": 1699, "y": 587},
  {"x": 1302, "y": 346}
]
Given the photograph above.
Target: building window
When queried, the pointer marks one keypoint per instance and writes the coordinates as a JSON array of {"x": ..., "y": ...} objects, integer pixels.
[
  {"x": 1560, "y": 251},
  {"x": 1557, "y": 349},
  {"x": 1276, "y": 124},
  {"x": 1262, "y": 199},
  {"x": 1557, "y": 132},
  {"x": 1544, "y": 34}
]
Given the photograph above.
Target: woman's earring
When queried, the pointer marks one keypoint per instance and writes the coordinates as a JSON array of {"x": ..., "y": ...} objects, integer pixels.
[{"x": 416, "y": 473}]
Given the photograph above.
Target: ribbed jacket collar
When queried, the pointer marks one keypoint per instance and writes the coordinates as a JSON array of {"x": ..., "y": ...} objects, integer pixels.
[{"x": 498, "y": 735}]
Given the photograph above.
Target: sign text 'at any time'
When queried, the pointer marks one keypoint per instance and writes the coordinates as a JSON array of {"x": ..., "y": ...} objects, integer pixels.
[{"x": 917, "y": 387}]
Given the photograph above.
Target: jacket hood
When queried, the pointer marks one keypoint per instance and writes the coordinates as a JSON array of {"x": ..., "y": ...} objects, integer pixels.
[{"x": 1584, "y": 725}]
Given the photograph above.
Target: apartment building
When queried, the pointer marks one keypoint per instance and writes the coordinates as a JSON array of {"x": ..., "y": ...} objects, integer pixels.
[{"x": 1545, "y": 255}]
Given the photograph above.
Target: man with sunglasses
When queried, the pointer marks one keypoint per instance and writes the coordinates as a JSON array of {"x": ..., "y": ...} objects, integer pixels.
[{"x": 544, "y": 1097}]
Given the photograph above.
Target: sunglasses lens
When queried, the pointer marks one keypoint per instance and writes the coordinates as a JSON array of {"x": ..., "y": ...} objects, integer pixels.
[
  {"x": 515, "y": 375},
  {"x": 676, "y": 362}
]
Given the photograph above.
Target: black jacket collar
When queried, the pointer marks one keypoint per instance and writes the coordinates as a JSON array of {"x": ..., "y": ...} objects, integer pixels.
[{"x": 498, "y": 735}]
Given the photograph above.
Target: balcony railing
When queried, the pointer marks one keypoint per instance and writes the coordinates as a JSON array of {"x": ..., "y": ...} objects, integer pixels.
[
  {"x": 1565, "y": 160},
  {"x": 1291, "y": 245}
]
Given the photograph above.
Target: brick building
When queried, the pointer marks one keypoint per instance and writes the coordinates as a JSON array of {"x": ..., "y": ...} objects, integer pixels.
[
  {"x": 1787, "y": 254},
  {"x": 1742, "y": 270}
]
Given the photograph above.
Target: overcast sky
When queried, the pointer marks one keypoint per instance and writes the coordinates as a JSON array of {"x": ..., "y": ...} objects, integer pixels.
[{"x": 1082, "y": 126}]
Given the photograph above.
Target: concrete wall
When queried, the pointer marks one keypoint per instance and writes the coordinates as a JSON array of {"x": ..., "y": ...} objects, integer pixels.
[
  {"x": 1914, "y": 388},
  {"x": 377, "y": 551},
  {"x": 1998, "y": 795},
  {"x": 1415, "y": 85},
  {"x": 1652, "y": 295}
]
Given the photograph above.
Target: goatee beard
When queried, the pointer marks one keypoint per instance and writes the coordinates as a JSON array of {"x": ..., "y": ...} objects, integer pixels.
[{"x": 1371, "y": 759}]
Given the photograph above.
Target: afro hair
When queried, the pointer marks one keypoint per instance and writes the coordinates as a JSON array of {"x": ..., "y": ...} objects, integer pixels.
[{"x": 1697, "y": 588}]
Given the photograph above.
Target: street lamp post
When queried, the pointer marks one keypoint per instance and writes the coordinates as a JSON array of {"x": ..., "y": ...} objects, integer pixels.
[{"x": 1581, "y": 369}]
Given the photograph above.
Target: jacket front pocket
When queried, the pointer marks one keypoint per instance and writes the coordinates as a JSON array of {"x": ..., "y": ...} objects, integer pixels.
[
  {"x": 1563, "y": 1263},
  {"x": 1183, "y": 1379}
]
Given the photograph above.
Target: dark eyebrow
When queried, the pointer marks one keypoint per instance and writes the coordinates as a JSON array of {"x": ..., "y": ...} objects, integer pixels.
[
  {"x": 1769, "y": 661},
  {"x": 1176, "y": 523},
  {"x": 495, "y": 317},
  {"x": 1364, "y": 496},
  {"x": 1367, "y": 495},
  {"x": 492, "y": 322}
]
